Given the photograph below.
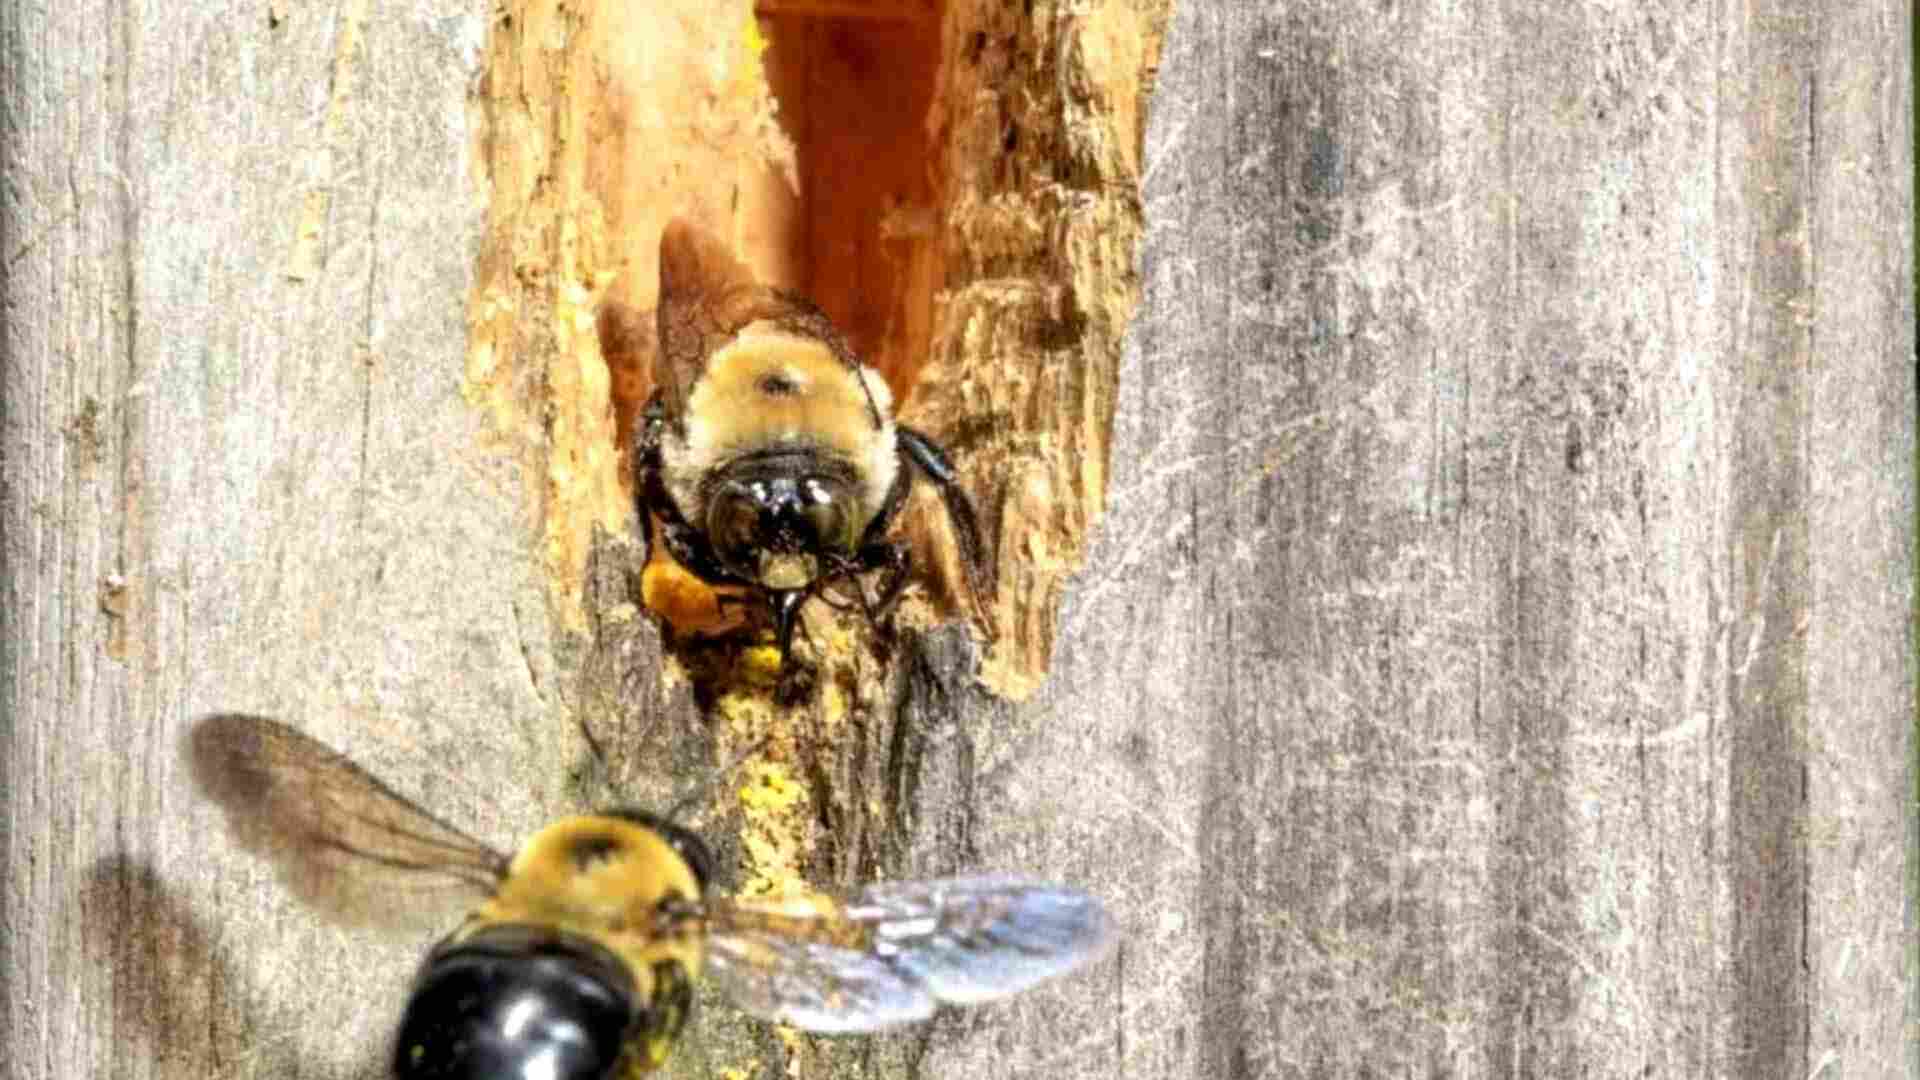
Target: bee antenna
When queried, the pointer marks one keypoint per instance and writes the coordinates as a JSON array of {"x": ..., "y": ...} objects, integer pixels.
[{"x": 705, "y": 784}]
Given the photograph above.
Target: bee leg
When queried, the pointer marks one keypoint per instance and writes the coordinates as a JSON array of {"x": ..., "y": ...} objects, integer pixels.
[
  {"x": 646, "y": 441},
  {"x": 897, "y": 562},
  {"x": 692, "y": 551},
  {"x": 685, "y": 543},
  {"x": 649, "y": 491},
  {"x": 840, "y": 603},
  {"x": 926, "y": 456}
]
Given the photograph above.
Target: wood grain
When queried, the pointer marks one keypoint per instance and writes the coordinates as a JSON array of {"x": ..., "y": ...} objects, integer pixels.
[{"x": 1494, "y": 655}]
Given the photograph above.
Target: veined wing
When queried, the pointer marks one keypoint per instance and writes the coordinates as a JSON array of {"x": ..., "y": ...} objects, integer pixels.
[
  {"x": 892, "y": 952},
  {"x": 344, "y": 842},
  {"x": 707, "y": 296}
]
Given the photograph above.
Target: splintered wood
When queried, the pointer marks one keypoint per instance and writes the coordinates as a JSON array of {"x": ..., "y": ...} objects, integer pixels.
[{"x": 1038, "y": 122}]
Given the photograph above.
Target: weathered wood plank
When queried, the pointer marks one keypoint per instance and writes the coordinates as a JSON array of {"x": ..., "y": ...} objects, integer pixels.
[
  {"x": 1451, "y": 689},
  {"x": 1861, "y": 858},
  {"x": 284, "y": 478},
  {"x": 1495, "y": 656}
]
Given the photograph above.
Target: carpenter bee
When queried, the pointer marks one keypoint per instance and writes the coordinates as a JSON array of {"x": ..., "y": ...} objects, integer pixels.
[
  {"x": 577, "y": 956},
  {"x": 769, "y": 452}
]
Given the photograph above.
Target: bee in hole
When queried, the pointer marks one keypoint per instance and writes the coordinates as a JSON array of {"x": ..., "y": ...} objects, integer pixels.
[
  {"x": 576, "y": 957},
  {"x": 769, "y": 452}
]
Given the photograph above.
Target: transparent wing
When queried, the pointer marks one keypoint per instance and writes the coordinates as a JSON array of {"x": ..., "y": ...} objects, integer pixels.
[
  {"x": 813, "y": 984},
  {"x": 345, "y": 843},
  {"x": 890, "y": 953}
]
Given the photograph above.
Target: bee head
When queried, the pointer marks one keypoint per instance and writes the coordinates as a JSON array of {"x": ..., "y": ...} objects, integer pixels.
[{"x": 773, "y": 520}]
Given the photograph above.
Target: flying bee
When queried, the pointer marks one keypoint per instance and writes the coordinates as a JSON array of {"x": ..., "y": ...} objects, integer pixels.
[
  {"x": 769, "y": 452},
  {"x": 577, "y": 956}
]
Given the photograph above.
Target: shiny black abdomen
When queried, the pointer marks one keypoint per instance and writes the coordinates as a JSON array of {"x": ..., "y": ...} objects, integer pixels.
[{"x": 514, "y": 1001}]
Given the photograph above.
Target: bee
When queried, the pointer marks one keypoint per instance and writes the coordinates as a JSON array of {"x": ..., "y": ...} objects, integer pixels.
[
  {"x": 577, "y": 956},
  {"x": 769, "y": 452}
]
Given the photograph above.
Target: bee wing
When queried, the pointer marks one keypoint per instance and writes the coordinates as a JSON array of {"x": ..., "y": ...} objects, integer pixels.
[
  {"x": 707, "y": 296},
  {"x": 344, "y": 842},
  {"x": 890, "y": 953}
]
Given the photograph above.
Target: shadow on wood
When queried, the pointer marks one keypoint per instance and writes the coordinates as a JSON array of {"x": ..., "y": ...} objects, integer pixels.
[{"x": 176, "y": 992}]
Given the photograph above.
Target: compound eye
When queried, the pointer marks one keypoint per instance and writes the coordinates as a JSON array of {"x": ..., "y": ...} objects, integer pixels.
[
  {"x": 828, "y": 514},
  {"x": 733, "y": 528}
]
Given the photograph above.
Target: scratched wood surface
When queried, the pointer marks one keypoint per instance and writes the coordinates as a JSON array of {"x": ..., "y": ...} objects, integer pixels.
[{"x": 1495, "y": 658}]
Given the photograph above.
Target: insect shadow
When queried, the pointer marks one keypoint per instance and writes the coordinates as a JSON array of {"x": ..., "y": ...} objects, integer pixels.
[
  {"x": 179, "y": 999},
  {"x": 179, "y": 1002}
]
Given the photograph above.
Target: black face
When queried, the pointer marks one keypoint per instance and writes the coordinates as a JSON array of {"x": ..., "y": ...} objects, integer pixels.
[
  {"x": 514, "y": 1001},
  {"x": 784, "y": 505},
  {"x": 683, "y": 842}
]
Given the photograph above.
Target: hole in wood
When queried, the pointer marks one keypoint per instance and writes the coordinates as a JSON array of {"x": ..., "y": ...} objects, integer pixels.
[
  {"x": 853, "y": 227},
  {"x": 952, "y": 182}
]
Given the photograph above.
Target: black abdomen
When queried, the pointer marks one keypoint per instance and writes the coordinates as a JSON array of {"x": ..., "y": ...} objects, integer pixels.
[{"x": 514, "y": 1001}]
